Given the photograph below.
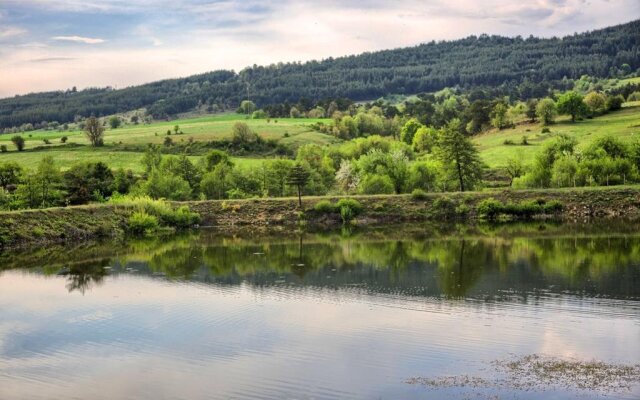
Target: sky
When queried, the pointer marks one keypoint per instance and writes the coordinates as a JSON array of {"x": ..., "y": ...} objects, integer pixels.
[{"x": 57, "y": 44}]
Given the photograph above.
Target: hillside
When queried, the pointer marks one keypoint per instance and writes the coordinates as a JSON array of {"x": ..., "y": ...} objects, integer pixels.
[{"x": 520, "y": 67}]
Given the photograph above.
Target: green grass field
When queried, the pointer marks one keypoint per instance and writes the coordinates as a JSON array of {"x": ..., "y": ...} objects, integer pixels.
[
  {"x": 624, "y": 124},
  {"x": 290, "y": 131}
]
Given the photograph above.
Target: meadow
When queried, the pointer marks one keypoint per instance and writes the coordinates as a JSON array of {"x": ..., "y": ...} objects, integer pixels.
[
  {"x": 289, "y": 131},
  {"x": 496, "y": 146}
]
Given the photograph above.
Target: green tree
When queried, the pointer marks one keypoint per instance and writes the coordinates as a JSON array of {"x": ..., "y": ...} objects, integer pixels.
[
  {"x": 460, "y": 156},
  {"x": 215, "y": 157},
  {"x": 424, "y": 139},
  {"x": 94, "y": 132},
  {"x": 532, "y": 104},
  {"x": 115, "y": 122},
  {"x": 242, "y": 134},
  {"x": 152, "y": 158},
  {"x": 572, "y": 103},
  {"x": 409, "y": 129},
  {"x": 298, "y": 177},
  {"x": 10, "y": 173},
  {"x": 88, "y": 181},
  {"x": 499, "y": 116},
  {"x": 247, "y": 107},
  {"x": 18, "y": 141},
  {"x": 596, "y": 103},
  {"x": 547, "y": 111},
  {"x": 376, "y": 184}
]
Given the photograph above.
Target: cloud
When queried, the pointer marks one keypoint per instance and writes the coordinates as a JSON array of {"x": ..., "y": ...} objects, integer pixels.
[
  {"x": 207, "y": 35},
  {"x": 11, "y": 31},
  {"x": 79, "y": 39},
  {"x": 51, "y": 59}
]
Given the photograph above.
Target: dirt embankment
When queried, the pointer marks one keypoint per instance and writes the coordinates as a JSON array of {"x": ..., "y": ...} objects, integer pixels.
[{"x": 34, "y": 228}]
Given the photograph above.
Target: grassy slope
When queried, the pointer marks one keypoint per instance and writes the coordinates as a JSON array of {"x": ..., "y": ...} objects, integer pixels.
[
  {"x": 200, "y": 129},
  {"x": 624, "y": 124}
]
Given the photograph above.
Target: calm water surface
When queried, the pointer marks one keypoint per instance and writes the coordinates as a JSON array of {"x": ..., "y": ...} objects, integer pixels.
[{"x": 314, "y": 316}]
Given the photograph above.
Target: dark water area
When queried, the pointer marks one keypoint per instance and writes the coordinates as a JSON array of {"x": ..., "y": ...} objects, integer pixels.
[{"x": 370, "y": 314}]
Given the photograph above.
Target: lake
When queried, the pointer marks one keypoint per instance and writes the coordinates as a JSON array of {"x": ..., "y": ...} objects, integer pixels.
[{"x": 488, "y": 312}]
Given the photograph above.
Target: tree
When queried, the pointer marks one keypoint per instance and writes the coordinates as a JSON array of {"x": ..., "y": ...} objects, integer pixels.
[
  {"x": 459, "y": 155},
  {"x": 241, "y": 133},
  {"x": 88, "y": 181},
  {"x": 247, "y": 107},
  {"x": 546, "y": 110},
  {"x": 531, "y": 110},
  {"x": 596, "y": 103},
  {"x": 94, "y": 132},
  {"x": 151, "y": 158},
  {"x": 614, "y": 103},
  {"x": 572, "y": 103},
  {"x": 347, "y": 177},
  {"x": 409, "y": 129},
  {"x": 9, "y": 174},
  {"x": 298, "y": 177},
  {"x": 294, "y": 113},
  {"x": 499, "y": 117},
  {"x": 115, "y": 122},
  {"x": 514, "y": 168},
  {"x": 18, "y": 141},
  {"x": 424, "y": 140},
  {"x": 215, "y": 157}
]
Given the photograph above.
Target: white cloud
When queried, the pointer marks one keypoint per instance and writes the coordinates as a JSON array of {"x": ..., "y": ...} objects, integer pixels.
[
  {"x": 11, "y": 31},
  {"x": 79, "y": 39}
]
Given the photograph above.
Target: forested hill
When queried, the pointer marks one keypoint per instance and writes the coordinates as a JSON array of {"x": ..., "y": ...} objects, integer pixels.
[{"x": 489, "y": 61}]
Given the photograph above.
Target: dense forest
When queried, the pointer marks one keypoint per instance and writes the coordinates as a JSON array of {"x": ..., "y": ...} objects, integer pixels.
[{"x": 518, "y": 67}]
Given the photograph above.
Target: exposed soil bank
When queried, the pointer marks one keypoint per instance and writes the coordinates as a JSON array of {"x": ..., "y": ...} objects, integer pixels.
[{"x": 34, "y": 228}]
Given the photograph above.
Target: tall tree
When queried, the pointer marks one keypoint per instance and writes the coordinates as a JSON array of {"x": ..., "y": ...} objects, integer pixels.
[
  {"x": 459, "y": 155},
  {"x": 94, "y": 132},
  {"x": 298, "y": 177},
  {"x": 572, "y": 103}
]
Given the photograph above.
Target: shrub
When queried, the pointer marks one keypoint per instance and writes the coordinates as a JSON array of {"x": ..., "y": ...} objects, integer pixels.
[
  {"x": 46, "y": 141},
  {"x": 376, "y": 184},
  {"x": 489, "y": 208},
  {"x": 64, "y": 139},
  {"x": 508, "y": 142},
  {"x": 181, "y": 218},
  {"x": 325, "y": 207},
  {"x": 444, "y": 207},
  {"x": 3, "y": 148},
  {"x": 349, "y": 209},
  {"x": 546, "y": 130},
  {"x": 18, "y": 141},
  {"x": 524, "y": 141},
  {"x": 552, "y": 207},
  {"x": 419, "y": 194},
  {"x": 141, "y": 223}
]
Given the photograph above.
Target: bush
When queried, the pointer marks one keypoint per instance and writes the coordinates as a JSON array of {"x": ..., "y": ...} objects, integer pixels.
[
  {"x": 444, "y": 207},
  {"x": 3, "y": 148},
  {"x": 552, "y": 207},
  {"x": 546, "y": 130},
  {"x": 489, "y": 208},
  {"x": 349, "y": 209},
  {"x": 325, "y": 207},
  {"x": 376, "y": 184},
  {"x": 141, "y": 223},
  {"x": 508, "y": 142},
  {"x": 524, "y": 141},
  {"x": 18, "y": 141},
  {"x": 181, "y": 218},
  {"x": 419, "y": 194},
  {"x": 46, "y": 141},
  {"x": 64, "y": 139}
]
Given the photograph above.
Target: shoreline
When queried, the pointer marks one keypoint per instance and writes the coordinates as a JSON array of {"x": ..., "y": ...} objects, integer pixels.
[{"x": 24, "y": 229}]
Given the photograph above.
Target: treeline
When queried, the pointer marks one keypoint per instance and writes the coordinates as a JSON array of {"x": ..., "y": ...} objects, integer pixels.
[{"x": 517, "y": 67}]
